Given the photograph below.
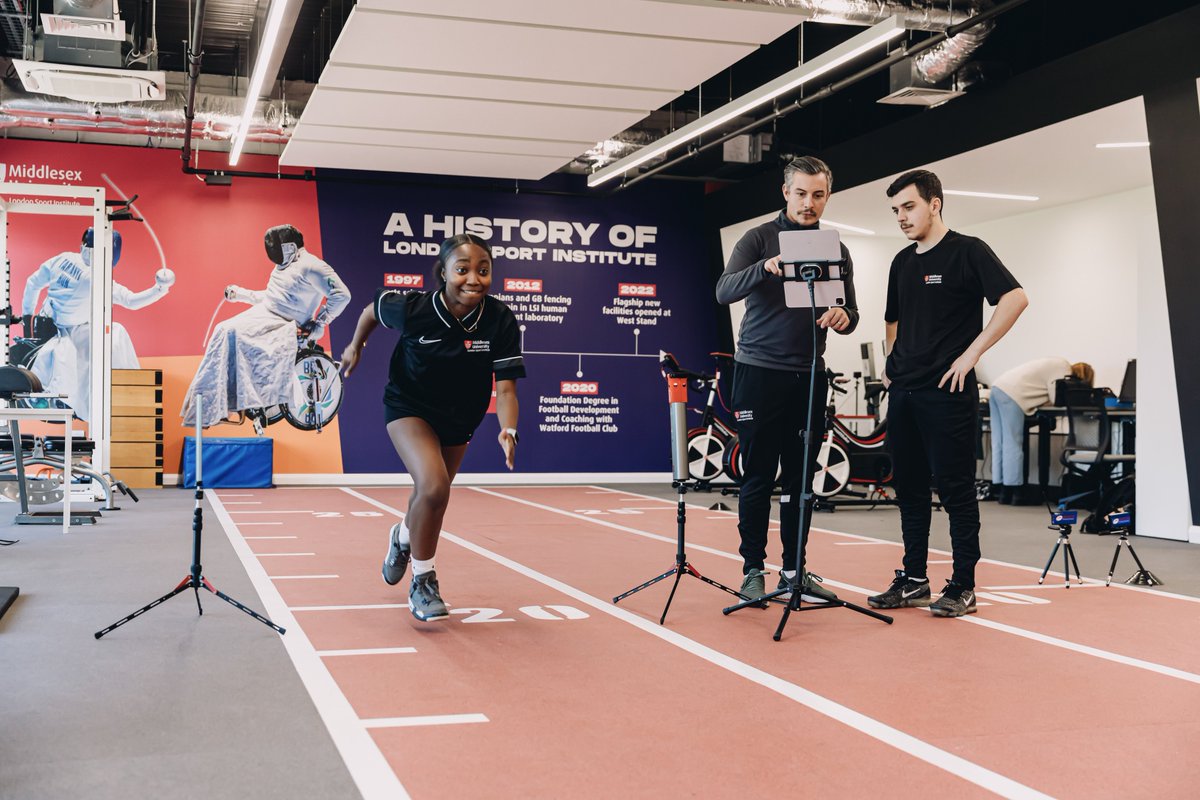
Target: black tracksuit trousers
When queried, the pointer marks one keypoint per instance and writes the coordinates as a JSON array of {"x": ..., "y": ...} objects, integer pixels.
[
  {"x": 931, "y": 435},
  {"x": 771, "y": 407}
]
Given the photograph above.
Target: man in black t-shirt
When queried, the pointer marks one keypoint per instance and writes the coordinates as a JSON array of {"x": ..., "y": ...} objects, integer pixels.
[{"x": 935, "y": 336}]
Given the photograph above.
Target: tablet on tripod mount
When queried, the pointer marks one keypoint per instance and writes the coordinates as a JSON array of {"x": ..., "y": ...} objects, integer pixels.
[{"x": 819, "y": 249}]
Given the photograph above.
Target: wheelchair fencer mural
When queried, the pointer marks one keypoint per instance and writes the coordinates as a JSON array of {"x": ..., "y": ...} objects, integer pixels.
[
  {"x": 597, "y": 291},
  {"x": 265, "y": 364}
]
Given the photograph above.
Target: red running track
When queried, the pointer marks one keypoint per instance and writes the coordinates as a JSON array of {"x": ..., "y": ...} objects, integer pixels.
[{"x": 538, "y": 686}]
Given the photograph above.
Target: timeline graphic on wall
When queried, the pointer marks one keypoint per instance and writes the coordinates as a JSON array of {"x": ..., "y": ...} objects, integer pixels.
[{"x": 598, "y": 286}]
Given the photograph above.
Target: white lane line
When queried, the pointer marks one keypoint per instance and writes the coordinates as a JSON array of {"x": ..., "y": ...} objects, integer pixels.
[
  {"x": 299, "y": 577},
  {"x": 905, "y": 743},
  {"x": 244, "y": 503},
  {"x": 931, "y": 561},
  {"x": 410, "y": 722},
  {"x": 1109, "y": 656},
  {"x": 349, "y": 608},
  {"x": 279, "y": 511},
  {"x": 1170, "y": 672},
  {"x": 270, "y": 537},
  {"x": 277, "y": 555},
  {"x": 1022, "y": 567},
  {"x": 372, "y": 774},
  {"x": 223, "y": 495},
  {"x": 244, "y": 524},
  {"x": 866, "y": 544},
  {"x": 1088, "y": 583},
  {"x": 372, "y": 651}
]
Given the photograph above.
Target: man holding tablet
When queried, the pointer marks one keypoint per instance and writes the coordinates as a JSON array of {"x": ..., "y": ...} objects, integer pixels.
[
  {"x": 776, "y": 354},
  {"x": 935, "y": 336}
]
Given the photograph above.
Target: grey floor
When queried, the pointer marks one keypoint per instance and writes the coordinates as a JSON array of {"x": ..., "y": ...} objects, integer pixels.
[{"x": 178, "y": 704}]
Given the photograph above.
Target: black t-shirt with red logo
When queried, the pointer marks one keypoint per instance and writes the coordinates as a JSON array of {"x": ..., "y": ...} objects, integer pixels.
[
  {"x": 936, "y": 297},
  {"x": 442, "y": 367}
]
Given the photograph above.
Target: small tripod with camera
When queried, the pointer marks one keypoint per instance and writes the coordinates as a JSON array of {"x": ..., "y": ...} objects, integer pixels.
[{"x": 1062, "y": 521}]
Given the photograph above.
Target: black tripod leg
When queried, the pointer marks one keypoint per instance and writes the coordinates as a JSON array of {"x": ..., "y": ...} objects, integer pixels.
[
  {"x": 646, "y": 585},
  {"x": 1078, "y": 574},
  {"x": 240, "y": 607},
  {"x": 670, "y": 597},
  {"x": 787, "y": 610},
  {"x": 199, "y": 608},
  {"x": 1050, "y": 560},
  {"x": 1113, "y": 566},
  {"x": 187, "y": 582}
]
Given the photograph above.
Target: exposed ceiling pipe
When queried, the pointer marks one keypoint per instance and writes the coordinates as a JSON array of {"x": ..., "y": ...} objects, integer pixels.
[
  {"x": 942, "y": 61},
  {"x": 195, "y": 52},
  {"x": 215, "y": 117},
  {"x": 933, "y": 66},
  {"x": 984, "y": 17},
  {"x": 917, "y": 15}
]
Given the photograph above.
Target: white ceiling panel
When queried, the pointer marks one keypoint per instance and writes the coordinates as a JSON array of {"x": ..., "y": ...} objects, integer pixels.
[
  {"x": 694, "y": 19},
  {"x": 440, "y": 140},
  {"x": 407, "y": 41},
  {"x": 513, "y": 89},
  {"x": 403, "y": 159},
  {"x": 383, "y": 79},
  {"x": 453, "y": 115}
]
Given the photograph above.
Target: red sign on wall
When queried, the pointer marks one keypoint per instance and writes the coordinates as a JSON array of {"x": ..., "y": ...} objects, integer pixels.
[{"x": 394, "y": 280}]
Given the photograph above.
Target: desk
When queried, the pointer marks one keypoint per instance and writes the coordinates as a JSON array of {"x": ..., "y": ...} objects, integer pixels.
[
  {"x": 1047, "y": 419},
  {"x": 15, "y": 415}
]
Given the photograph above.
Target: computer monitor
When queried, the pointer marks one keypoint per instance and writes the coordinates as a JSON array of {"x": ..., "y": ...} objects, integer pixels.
[{"x": 1129, "y": 383}]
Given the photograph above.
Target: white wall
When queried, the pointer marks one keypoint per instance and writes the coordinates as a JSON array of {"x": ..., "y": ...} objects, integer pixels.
[
  {"x": 1093, "y": 273},
  {"x": 1079, "y": 266}
]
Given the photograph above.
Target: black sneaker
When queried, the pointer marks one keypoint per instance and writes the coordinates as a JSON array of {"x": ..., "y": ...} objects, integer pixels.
[
  {"x": 398, "y": 555},
  {"x": 425, "y": 599},
  {"x": 954, "y": 602},
  {"x": 811, "y": 590},
  {"x": 905, "y": 592}
]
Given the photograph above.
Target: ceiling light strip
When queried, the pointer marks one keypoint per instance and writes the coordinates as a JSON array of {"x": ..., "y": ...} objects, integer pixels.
[
  {"x": 841, "y": 226},
  {"x": 1027, "y": 198},
  {"x": 789, "y": 81},
  {"x": 266, "y": 48},
  {"x": 1115, "y": 145}
]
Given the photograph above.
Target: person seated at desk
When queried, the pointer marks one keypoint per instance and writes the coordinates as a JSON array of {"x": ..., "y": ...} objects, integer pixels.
[{"x": 1014, "y": 396}]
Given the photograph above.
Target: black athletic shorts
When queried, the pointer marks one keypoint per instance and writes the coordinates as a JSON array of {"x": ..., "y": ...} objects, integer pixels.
[{"x": 451, "y": 432}]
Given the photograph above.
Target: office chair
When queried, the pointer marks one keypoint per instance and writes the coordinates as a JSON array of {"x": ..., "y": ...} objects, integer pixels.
[{"x": 1087, "y": 456}]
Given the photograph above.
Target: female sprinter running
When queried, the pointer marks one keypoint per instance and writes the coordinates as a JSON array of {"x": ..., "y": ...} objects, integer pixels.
[{"x": 452, "y": 341}]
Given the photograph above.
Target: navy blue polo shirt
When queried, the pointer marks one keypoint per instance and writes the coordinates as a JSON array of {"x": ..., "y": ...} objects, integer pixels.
[{"x": 442, "y": 367}]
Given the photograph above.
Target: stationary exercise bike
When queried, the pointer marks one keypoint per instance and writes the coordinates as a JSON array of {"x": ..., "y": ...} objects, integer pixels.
[{"x": 847, "y": 459}]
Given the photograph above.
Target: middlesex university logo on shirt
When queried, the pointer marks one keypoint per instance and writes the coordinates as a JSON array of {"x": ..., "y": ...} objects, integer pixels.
[
  {"x": 930, "y": 280},
  {"x": 477, "y": 345}
]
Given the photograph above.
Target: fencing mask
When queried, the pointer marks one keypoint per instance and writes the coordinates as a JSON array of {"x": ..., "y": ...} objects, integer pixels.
[{"x": 282, "y": 243}]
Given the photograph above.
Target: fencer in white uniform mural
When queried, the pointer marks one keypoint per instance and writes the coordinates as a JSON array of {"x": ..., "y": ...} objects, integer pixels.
[
  {"x": 64, "y": 362},
  {"x": 250, "y": 360}
]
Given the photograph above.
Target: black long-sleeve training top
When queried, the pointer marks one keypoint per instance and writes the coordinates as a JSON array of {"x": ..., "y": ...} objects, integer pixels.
[{"x": 772, "y": 335}]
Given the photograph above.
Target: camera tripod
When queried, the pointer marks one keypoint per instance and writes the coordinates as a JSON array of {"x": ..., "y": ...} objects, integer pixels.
[
  {"x": 1062, "y": 521},
  {"x": 1120, "y": 523},
  {"x": 794, "y": 589},
  {"x": 195, "y": 579},
  {"x": 677, "y": 383}
]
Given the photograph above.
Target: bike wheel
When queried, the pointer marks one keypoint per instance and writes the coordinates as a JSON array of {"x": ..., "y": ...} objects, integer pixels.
[
  {"x": 732, "y": 461},
  {"x": 316, "y": 392},
  {"x": 705, "y": 454},
  {"x": 833, "y": 469}
]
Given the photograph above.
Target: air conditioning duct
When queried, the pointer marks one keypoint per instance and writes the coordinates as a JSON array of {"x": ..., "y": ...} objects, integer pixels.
[{"x": 91, "y": 84}]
